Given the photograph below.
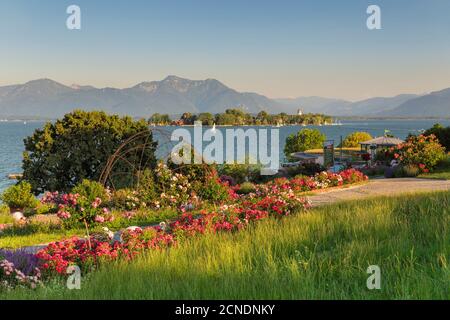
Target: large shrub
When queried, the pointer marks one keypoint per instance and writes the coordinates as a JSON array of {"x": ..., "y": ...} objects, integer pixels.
[
  {"x": 306, "y": 169},
  {"x": 214, "y": 191},
  {"x": 353, "y": 139},
  {"x": 91, "y": 190},
  {"x": 197, "y": 174},
  {"x": 127, "y": 199},
  {"x": 246, "y": 188},
  {"x": 19, "y": 196},
  {"x": 77, "y": 147},
  {"x": 174, "y": 189},
  {"x": 408, "y": 171},
  {"x": 75, "y": 210},
  {"x": 441, "y": 133},
  {"x": 305, "y": 139},
  {"x": 241, "y": 172},
  {"x": 422, "y": 151}
]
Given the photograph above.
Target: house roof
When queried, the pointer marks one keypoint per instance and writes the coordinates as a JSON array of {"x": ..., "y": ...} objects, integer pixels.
[{"x": 383, "y": 141}]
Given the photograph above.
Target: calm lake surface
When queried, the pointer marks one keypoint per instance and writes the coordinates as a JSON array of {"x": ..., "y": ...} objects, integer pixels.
[{"x": 13, "y": 133}]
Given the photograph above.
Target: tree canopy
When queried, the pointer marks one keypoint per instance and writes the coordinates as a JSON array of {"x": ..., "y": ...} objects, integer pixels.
[
  {"x": 62, "y": 154},
  {"x": 303, "y": 140},
  {"x": 160, "y": 119},
  {"x": 442, "y": 134},
  {"x": 354, "y": 138}
]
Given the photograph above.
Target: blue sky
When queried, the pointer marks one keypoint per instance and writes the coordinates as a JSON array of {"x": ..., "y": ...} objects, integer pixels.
[{"x": 277, "y": 48}]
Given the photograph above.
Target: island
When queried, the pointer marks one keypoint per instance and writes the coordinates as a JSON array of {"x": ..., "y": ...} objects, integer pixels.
[{"x": 238, "y": 117}]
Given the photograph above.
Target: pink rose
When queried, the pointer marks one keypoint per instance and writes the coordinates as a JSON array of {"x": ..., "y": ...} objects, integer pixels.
[{"x": 99, "y": 219}]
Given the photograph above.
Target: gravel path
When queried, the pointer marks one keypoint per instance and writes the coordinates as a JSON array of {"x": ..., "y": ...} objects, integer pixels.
[{"x": 380, "y": 187}]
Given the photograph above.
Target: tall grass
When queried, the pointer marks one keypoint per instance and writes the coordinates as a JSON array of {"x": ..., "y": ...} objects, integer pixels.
[
  {"x": 322, "y": 254},
  {"x": 5, "y": 216}
]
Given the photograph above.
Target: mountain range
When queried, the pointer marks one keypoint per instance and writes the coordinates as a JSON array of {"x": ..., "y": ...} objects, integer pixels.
[
  {"x": 45, "y": 98},
  {"x": 378, "y": 106}
]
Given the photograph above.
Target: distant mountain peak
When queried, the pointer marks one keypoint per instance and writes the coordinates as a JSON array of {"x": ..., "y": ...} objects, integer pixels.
[
  {"x": 43, "y": 82},
  {"x": 81, "y": 87},
  {"x": 146, "y": 86},
  {"x": 40, "y": 87},
  {"x": 172, "y": 78}
]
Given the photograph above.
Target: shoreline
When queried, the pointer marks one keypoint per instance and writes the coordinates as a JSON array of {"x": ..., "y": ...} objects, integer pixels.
[{"x": 406, "y": 118}]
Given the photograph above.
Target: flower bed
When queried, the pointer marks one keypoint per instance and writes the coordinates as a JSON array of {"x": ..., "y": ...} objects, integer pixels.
[
  {"x": 88, "y": 254},
  {"x": 276, "y": 199},
  {"x": 323, "y": 180}
]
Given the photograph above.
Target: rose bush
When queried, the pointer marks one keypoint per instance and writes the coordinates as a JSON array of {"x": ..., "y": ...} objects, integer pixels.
[
  {"x": 74, "y": 209},
  {"x": 422, "y": 151}
]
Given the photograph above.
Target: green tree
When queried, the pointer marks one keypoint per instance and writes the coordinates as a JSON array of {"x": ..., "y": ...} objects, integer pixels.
[
  {"x": 305, "y": 139},
  {"x": 62, "y": 154},
  {"x": 160, "y": 119},
  {"x": 225, "y": 119},
  {"x": 236, "y": 117},
  {"x": 354, "y": 138},
  {"x": 442, "y": 134},
  {"x": 188, "y": 118},
  {"x": 206, "y": 118}
]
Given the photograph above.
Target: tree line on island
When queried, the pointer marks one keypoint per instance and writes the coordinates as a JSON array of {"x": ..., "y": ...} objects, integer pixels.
[{"x": 237, "y": 117}]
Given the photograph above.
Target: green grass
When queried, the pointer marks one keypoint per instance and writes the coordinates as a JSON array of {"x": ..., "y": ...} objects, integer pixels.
[
  {"x": 24, "y": 240},
  {"x": 322, "y": 254},
  {"x": 33, "y": 234},
  {"x": 41, "y": 233},
  {"x": 5, "y": 216},
  {"x": 442, "y": 171}
]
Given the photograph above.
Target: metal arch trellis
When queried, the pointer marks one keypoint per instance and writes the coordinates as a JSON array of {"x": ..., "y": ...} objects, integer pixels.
[
  {"x": 123, "y": 155},
  {"x": 129, "y": 147}
]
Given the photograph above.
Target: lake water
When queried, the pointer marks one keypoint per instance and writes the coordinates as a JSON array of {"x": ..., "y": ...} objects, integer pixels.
[{"x": 13, "y": 133}]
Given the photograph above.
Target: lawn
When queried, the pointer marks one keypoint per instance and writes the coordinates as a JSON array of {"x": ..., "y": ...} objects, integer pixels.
[
  {"x": 15, "y": 240},
  {"x": 41, "y": 233},
  {"x": 322, "y": 254},
  {"x": 16, "y": 237},
  {"x": 5, "y": 216},
  {"x": 337, "y": 150},
  {"x": 442, "y": 171}
]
